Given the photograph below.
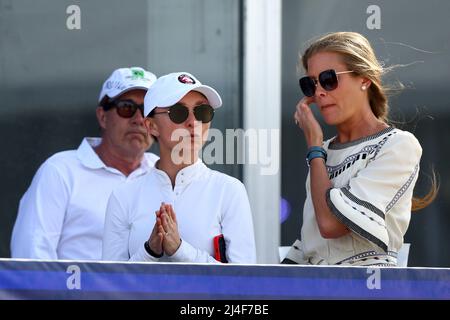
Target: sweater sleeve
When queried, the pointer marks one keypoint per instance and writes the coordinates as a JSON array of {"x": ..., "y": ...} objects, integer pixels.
[{"x": 363, "y": 204}]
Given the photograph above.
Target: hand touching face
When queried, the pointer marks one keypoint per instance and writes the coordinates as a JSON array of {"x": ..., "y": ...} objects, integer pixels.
[{"x": 305, "y": 119}]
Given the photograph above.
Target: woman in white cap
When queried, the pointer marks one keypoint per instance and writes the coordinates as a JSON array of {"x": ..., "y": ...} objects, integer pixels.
[{"x": 181, "y": 211}]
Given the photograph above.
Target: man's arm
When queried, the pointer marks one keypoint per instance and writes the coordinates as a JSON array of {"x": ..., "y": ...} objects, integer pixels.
[{"x": 41, "y": 215}]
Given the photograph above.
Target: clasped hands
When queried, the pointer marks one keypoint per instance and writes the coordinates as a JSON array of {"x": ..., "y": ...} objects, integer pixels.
[{"x": 165, "y": 237}]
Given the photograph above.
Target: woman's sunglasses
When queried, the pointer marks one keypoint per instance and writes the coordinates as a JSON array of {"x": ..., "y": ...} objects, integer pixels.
[
  {"x": 178, "y": 113},
  {"x": 124, "y": 108},
  {"x": 328, "y": 80}
]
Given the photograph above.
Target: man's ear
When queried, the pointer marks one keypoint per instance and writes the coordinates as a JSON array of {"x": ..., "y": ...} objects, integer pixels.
[
  {"x": 151, "y": 126},
  {"x": 101, "y": 117}
]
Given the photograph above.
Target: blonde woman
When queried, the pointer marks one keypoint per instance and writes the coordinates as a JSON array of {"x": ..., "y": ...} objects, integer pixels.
[{"x": 360, "y": 182}]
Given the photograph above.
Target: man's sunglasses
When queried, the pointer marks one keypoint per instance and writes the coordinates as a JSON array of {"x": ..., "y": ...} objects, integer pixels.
[
  {"x": 124, "y": 108},
  {"x": 178, "y": 113},
  {"x": 328, "y": 80}
]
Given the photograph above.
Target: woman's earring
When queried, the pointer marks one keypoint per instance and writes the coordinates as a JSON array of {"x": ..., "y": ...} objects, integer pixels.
[{"x": 363, "y": 87}]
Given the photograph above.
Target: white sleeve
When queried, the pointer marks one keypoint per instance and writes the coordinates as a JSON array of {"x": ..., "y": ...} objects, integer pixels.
[
  {"x": 116, "y": 234},
  {"x": 41, "y": 215},
  {"x": 237, "y": 229},
  {"x": 187, "y": 253},
  {"x": 364, "y": 203}
]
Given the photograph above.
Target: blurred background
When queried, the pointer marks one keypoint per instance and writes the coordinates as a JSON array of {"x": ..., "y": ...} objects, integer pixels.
[{"x": 50, "y": 78}]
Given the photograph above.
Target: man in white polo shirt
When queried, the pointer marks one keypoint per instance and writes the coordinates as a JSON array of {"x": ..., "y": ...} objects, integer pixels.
[{"x": 61, "y": 215}]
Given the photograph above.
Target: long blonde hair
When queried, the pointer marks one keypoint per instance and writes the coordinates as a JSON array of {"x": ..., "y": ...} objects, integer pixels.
[{"x": 358, "y": 55}]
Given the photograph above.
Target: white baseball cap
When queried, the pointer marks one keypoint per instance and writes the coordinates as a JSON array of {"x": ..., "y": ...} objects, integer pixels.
[
  {"x": 126, "y": 79},
  {"x": 171, "y": 88}
]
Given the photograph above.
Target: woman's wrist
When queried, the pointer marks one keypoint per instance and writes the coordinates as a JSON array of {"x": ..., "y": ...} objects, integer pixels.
[
  {"x": 315, "y": 142},
  {"x": 151, "y": 252},
  {"x": 172, "y": 252},
  {"x": 322, "y": 160},
  {"x": 315, "y": 152}
]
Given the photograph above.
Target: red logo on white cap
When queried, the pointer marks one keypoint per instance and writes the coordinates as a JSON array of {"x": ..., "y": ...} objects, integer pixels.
[{"x": 184, "y": 78}]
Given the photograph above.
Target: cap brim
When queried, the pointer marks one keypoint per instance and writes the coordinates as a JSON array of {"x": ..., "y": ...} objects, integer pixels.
[
  {"x": 212, "y": 95},
  {"x": 115, "y": 93}
]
